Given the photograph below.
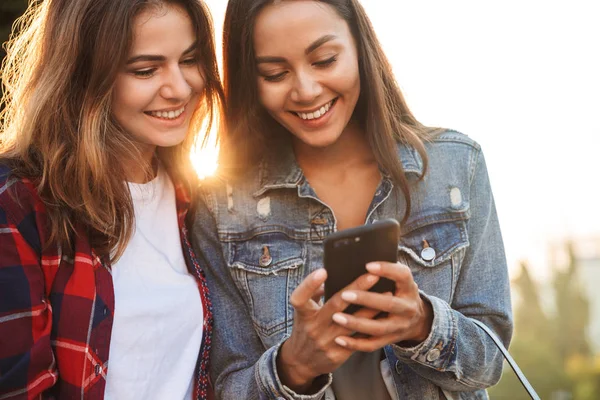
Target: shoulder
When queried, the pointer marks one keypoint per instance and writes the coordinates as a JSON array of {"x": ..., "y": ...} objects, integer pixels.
[
  {"x": 452, "y": 137},
  {"x": 454, "y": 152},
  {"x": 447, "y": 152},
  {"x": 20, "y": 205},
  {"x": 220, "y": 188},
  {"x": 15, "y": 192},
  {"x": 453, "y": 161}
]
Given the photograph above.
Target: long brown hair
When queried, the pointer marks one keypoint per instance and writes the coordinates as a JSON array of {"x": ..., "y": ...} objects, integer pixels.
[
  {"x": 57, "y": 125},
  {"x": 381, "y": 109}
]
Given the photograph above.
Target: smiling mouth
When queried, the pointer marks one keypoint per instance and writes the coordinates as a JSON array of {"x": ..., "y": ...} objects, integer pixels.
[
  {"x": 166, "y": 114},
  {"x": 316, "y": 114}
]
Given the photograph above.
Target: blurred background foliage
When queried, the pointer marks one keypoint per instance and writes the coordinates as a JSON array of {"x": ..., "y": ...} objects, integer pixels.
[{"x": 550, "y": 343}]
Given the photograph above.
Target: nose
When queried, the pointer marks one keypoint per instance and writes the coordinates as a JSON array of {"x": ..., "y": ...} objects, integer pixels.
[
  {"x": 175, "y": 85},
  {"x": 306, "y": 88}
]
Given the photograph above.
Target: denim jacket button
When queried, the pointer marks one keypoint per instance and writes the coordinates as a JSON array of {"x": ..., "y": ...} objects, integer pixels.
[
  {"x": 265, "y": 260},
  {"x": 428, "y": 253},
  {"x": 398, "y": 368},
  {"x": 433, "y": 355}
]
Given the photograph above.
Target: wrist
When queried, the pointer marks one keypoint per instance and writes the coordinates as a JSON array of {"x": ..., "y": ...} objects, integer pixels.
[
  {"x": 292, "y": 373},
  {"x": 423, "y": 328},
  {"x": 426, "y": 322}
]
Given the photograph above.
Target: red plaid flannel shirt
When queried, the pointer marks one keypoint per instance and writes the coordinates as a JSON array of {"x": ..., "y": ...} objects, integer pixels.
[{"x": 56, "y": 313}]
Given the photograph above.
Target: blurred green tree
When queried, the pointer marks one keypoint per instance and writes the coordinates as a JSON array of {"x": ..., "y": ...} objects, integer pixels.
[
  {"x": 571, "y": 322},
  {"x": 553, "y": 352},
  {"x": 533, "y": 347},
  {"x": 572, "y": 311}
]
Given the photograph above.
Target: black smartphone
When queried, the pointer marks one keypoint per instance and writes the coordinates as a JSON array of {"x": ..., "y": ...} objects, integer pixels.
[{"x": 347, "y": 252}]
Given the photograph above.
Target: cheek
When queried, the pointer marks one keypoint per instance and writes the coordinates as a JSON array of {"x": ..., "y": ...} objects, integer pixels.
[
  {"x": 272, "y": 96},
  {"x": 133, "y": 95},
  {"x": 122, "y": 107},
  {"x": 347, "y": 79},
  {"x": 122, "y": 103},
  {"x": 196, "y": 80}
]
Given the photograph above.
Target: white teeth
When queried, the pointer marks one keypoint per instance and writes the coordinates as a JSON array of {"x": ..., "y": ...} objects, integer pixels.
[
  {"x": 316, "y": 114},
  {"x": 168, "y": 114}
]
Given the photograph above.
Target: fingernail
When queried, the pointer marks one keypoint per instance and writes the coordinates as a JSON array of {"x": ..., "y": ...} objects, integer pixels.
[
  {"x": 320, "y": 274},
  {"x": 372, "y": 278},
  {"x": 349, "y": 296},
  {"x": 339, "y": 319},
  {"x": 341, "y": 342},
  {"x": 374, "y": 267}
]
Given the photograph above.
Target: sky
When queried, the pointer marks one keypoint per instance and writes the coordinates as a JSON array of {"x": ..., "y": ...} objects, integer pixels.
[{"x": 522, "y": 78}]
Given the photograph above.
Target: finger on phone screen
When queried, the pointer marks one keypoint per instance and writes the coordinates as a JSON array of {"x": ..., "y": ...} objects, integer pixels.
[
  {"x": 396, "y": 272},
  {"x": 363, "y": 282},
  {"x": 306, "y": 290},
  {"x": 318, "y": 296}
]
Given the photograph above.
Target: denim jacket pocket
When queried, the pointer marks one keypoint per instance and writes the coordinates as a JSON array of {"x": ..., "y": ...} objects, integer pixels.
[
  {"x": 434, "y": 252},
  {"x": 266, "y": 269}
]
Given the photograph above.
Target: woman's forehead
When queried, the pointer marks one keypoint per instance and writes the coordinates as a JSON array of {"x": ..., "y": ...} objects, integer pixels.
[{"x": 296, "y": 24}]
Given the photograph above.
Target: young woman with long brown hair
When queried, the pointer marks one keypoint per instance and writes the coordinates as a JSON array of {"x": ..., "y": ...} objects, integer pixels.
[
  {"x": 101, "y": 295},
  {"x": 319, "y": 139}
]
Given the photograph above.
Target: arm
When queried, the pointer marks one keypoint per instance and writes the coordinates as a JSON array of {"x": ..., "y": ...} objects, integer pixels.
[
  {"x": 448, "y": 348},
  {"x": 27, "y": 365},
  {"x": 302, "y": 363},
  {"x": 458, "y": 355},
  {"x": 240, "y": 365}
]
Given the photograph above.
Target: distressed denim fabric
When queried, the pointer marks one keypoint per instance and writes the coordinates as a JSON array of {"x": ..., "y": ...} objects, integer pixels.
[{"x": 271, "y": 226}]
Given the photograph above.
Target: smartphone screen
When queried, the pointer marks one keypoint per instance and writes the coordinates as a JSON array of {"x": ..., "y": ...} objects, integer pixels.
[{"x": 347, "y": 252}]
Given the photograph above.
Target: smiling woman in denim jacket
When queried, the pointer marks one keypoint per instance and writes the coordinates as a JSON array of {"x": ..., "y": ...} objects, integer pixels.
[{"x": 320, "y": 139}]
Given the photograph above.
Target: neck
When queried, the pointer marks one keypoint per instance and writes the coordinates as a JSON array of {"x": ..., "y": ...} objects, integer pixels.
[
  {"x": 351, "y": 147},
  {"x": 145, "y": 172}
]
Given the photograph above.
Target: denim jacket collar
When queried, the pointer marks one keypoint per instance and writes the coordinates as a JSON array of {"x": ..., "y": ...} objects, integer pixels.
[{"x": 279, "y": 169}]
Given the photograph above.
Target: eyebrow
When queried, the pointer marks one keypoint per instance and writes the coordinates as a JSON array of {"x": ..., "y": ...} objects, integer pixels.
[
  {"x": 152, "y": 57},
  {"x": 318, "y": 43},
  {"x": 313, "y": 46}
]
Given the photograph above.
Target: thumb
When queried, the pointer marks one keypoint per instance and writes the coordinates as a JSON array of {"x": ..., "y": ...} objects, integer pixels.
[{"x": 301, "y": 298}]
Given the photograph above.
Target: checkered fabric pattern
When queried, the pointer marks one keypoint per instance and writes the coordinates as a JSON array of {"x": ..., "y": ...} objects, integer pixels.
[{"x": 56, "y": 313}]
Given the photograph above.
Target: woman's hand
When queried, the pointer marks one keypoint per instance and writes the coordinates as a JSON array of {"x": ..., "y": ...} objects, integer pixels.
[
  {"x": 311, "y": 349},
  {"x": 408, "y": 320}
]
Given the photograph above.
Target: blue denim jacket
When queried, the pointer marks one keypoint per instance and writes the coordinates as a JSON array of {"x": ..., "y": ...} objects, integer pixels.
[{"x": 271, "y": 228}]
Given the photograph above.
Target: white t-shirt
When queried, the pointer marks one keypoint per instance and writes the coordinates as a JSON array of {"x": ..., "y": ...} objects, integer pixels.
[{"x": 157, "y": 327}]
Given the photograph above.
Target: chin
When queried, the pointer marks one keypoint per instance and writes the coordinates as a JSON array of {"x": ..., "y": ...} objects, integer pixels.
[
  {"x": 170, "y": 140},
  {"x": 316, "y": 144},
  {"x": 319, "y": 140}
]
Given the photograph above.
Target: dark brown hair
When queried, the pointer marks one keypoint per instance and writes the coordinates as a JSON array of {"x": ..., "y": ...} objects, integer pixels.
[
  {"x": 381, "y": 109},
  {"x": 57, "y": 125}
]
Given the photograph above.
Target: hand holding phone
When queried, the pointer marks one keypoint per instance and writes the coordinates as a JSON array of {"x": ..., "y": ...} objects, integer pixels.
[{"x": 347, "y": 252}]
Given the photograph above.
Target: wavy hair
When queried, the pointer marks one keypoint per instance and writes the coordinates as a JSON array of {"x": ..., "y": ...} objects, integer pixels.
[
  {"x": 381, "y": 109},
  {"x": 57, "y": 128}
]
